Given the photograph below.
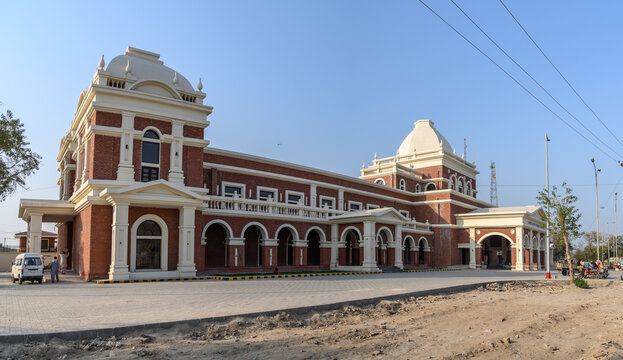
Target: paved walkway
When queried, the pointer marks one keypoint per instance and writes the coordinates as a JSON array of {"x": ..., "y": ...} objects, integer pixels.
[{"x": 74, "y": 305}]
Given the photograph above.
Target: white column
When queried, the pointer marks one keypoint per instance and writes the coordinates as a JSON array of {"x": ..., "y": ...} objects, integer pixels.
[
  {"x": 334, "y": 246},
  {"x": 368, "y": 247},
  {"x": 34, "y": 234},
  {"x": 531, "y": 248},
  {"x": 78, "y": 174},
  {"x": 119, "y": 243},
  {"x": 176, "y": 173},
  {"x": 398, "y": 247},
  {"x": 340, "y": 199},
  {"x": 186, "y": 241},
  {"x": 519, "y": 263},
  {"x": 312, "y": 196},
  {"x": 125, "y": 170},
  {"x": 538, "y": 253},
  {"x": 65, "y": 181},
  {"x": 85, "y": 160},
  {"x": 472, "y": 248}
]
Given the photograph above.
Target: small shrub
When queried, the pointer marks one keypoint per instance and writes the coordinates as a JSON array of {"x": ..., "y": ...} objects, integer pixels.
[{"x": 581, "y": 283}]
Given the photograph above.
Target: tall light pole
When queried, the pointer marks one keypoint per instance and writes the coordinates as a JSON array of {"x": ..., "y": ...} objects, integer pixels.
[
  {"x": 596, "y": 205},
  {"x": 616, "y": 230},
  {"x": 547, "y": 250}
]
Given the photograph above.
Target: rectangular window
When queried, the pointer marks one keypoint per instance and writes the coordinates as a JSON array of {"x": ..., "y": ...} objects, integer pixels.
[
  {"x": 354, "y": 206},
  {"x": 151, "y": 152},
  {"x": 149, "y": 173},
  {"x": 264, "y": 193},
  {"x": 45, "y": 244},
  {"x": 372, "y": 206},
  {"x": 327, "y": 203},
  {"x": 232, "y": 190},
  {"x": 293, "y": 197}
]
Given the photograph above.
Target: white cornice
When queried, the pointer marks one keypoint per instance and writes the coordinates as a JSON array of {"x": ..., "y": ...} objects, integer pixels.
[{"x": 259, "y": 173}]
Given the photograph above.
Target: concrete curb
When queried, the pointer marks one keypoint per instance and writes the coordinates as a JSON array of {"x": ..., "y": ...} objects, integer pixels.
[
  {"x": 122, "y": 330},
  {"x": 235, "y": 277},
  {"x": 431, "y": 270}
]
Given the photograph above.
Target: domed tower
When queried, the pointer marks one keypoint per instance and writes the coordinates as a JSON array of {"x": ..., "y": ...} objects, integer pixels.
[{"x": 425, "y": 161}]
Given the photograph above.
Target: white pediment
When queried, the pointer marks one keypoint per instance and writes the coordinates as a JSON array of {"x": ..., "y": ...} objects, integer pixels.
[{"x": 159, "y": 192}]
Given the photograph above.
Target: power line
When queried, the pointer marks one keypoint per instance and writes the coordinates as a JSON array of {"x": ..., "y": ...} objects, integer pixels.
[
  {"x": 543, "y": 185},
  {"x": 559, "y": 73},
  {"x": 516, "y": 81},
  {"x": 533, "y": 79}
]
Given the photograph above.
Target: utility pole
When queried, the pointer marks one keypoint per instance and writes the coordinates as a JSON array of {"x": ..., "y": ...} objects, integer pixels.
[
  {"x": 616, "y": 229},
  {"x": 596, "y": 205},
  {"x": 493, "y": 189},
  {"x": 547, "y": 250}
]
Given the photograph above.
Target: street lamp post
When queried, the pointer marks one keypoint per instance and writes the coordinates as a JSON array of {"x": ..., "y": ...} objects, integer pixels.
[
  {"x": 616, "y": 232},
  {"x": 547, "y": 249},
  {"x": 596, "y": 205}
]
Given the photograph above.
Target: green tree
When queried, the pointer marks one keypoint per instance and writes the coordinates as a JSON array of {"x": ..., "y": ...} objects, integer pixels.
[
  {"x": 17, "y": 161},
  {"x": 564, "y": 220}
]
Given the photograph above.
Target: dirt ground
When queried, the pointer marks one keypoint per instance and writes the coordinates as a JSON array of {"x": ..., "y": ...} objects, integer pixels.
[{"x": 522, "y": 320}]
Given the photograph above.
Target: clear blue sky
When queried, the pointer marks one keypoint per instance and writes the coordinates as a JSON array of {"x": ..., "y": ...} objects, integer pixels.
[{"x": 337, "y": 81}]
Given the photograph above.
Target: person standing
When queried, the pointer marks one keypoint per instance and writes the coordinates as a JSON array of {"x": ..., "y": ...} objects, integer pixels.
[
  {"x": 63, "y": 262},
  {"x": 54, "y": 267}
]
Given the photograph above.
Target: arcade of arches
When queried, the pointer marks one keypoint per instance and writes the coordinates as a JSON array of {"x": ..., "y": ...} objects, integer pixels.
[{"x": 255, "y": 249}]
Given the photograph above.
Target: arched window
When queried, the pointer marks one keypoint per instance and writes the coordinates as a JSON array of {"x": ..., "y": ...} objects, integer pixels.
[
  {"x": 460, "y": 186},
  {"x": 403, "y": 185},
  {"x": 431, "y": 187},
  {"x": 452, "y": 185},
  {"x": 148, "y": 246},
  {"x": 380, "y": 181},
  {"x": 150, "y": 156},
  {"x": 469, "y": 189}
]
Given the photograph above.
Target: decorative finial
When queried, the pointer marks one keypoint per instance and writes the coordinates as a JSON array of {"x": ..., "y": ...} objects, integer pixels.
[
  {"x": 102, "y": 63},
  {"x": 375, "y": 157},
  {"x": 200, "y": 85},
  {"x": 454, "y": 151},
  {"x": 363, "y": 166},
  {"x": 175, "y": 78},
  {"x": 127, "y": 68}
]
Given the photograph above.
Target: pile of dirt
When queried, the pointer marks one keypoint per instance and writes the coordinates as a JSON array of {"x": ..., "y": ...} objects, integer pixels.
[{"x": 523, "y": 319}]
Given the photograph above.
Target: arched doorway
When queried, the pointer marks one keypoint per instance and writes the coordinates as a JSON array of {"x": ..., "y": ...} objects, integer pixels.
[
  {"x": 352, "y": 248},
  {"x": 285, "y": 247},
  {"x": 215, "y": 237},
  {"x": 253, "y": 246},
  {"x": 408, "y": 248},
  {"x": 380, "y": 250},
  {"x": 422, "y": 250},
  {"x": 496, "y": 252},
  {"x": 148, "y": 246},
  {"x": 313, "y": 247}
]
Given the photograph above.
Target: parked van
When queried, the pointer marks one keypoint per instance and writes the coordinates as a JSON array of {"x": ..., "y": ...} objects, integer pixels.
[{"x": 27, "y": 267}]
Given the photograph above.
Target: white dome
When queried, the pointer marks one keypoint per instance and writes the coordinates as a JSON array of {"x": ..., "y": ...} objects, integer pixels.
[
  {"x": 145, "y": 65},
  {"x": 424, "y": 138}
]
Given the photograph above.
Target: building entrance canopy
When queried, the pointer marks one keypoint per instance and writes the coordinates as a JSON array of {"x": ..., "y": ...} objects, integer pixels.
[{"x": 510, "y": 237}]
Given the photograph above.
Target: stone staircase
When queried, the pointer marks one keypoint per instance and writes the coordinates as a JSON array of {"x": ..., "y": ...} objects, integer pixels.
[{"x": 390, "y": 269}]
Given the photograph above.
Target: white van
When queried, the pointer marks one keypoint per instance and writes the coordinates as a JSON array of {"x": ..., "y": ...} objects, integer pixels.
[{"x": 27, "y": 267}]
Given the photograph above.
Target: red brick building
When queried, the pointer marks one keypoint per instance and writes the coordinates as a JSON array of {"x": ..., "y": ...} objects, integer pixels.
[
  {"x": 142, "y": 195},
  {"x": 48, "y": 240}
]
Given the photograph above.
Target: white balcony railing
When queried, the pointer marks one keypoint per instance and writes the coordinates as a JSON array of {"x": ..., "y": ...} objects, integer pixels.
[{"x": 237, "y": 204}]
